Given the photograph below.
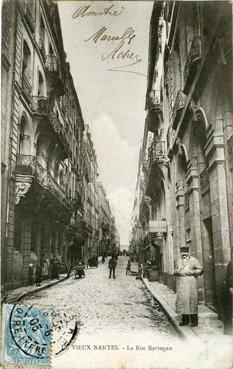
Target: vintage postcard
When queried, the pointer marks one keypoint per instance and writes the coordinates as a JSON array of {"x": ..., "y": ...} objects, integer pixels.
[{"x": 117, "y": 184}]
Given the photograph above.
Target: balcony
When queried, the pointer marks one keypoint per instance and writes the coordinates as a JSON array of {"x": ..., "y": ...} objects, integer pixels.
[
  {"x": 145, "y": 165},
  {"x": 51, "y": 64},
  {"x": 154, "y": 176},
  {"x": 29, "y": 16},
  {"x": 55, "y": 122},
  {"x": 178, "y": 107},
  {"x": 59, "y": 129},
  {"x": 26, "y": 87},
  {"x": 157, "y": 152},
  {"x": 53, "y": 72},
  {"x": 156, "y": 226},
  {"x": 154, "y": 106},
  {"x": 40, "y": 105},
  {"x": 25, "y": 165},
  {"x": 58, "y": 191},
  {"x": 77, "y": 201},
  {"x": 194, "y": 57}
]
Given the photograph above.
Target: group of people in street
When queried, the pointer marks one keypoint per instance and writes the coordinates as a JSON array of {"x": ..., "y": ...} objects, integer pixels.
[
  {"x": 43, "y": 270},
  {"x": 187, "y": 270}
]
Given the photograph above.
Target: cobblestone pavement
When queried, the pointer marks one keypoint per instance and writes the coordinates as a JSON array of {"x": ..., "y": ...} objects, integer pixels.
[{"x": 107, "y": 305}]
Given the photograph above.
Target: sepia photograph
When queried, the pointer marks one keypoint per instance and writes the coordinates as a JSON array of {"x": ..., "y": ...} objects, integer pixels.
[{"x": 116, "y": 184}]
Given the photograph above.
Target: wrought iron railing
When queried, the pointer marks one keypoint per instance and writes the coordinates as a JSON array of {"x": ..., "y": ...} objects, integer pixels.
[
  {"x": 41, "y": 174},
  {"x": 40, "y": 105},
  {"x": 59, "y": 129},
  {"x": 29, "y": 165},
  {"x": 51, "y": 63},
  {"x": 57, "y": 190},
  {"x": 180, "y": 101},
  {"x": 194, "y": 55},
  {"x": 178, "y": 106},
  {"x": 157, "y": 151},
  {"x": 25, "y": 164},
  {"x": 26, "y": 87},
  {"x": 154, "y": 100}
]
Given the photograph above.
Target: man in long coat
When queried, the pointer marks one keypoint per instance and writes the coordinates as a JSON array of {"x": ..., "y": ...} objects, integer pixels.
[{"x": 187, "y": 270}]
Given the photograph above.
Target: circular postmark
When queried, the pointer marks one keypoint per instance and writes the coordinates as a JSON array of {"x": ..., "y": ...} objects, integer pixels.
[
  {"x": 41, "y": 332},
  {"x": 65, "y": 329},
  {"x": 31, "y": 329}
]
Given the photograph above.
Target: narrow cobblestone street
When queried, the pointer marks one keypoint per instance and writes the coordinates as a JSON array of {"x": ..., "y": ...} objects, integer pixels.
[{"x": 106, "y": 305}]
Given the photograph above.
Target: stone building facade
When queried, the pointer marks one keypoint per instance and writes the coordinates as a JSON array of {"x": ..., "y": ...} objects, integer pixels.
[
  {"x": 104, "y": 221},
  {"x": 186, "y": 156},
  {"x": 44, "y": 128},
  {"x": 91, "y": 213},
  {"x": 46, "y": 163}
]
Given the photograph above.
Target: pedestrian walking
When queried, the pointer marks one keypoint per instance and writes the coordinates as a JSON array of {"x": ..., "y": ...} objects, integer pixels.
[
  {"x": 187, "y": 270},
  {"x": 30, "y": 274},
  {"x": 38, "y": 274},
  {"x": 112, "y": 266},
  {"x": 128, "y": 267},
  {"x": 103, "y": 259}
]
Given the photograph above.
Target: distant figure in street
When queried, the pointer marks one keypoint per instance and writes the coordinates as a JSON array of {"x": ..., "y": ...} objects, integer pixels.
[
  {"x": 103, "y": 259},
  {"x": 112, "y": 266},
  {"x": 96, "y": 261},
  {"x": 38, "y": 274},
  {"x": 30, "y": 274},
  {"x": 128, "y": 267},
  {"x": 139, "y": 273},
  {"x": 54, "y": 267},
  {"x": 187, "y": 270},
  {"x": 148, "y": 266}
]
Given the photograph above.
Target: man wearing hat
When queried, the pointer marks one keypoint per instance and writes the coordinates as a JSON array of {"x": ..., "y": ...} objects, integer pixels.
[{"x": 187, "y": 270}]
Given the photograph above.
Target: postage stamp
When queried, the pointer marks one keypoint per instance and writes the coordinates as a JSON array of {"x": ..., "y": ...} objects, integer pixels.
[
  {"x": 27, "y": 335},
  {"x": 32, "y": 335}
]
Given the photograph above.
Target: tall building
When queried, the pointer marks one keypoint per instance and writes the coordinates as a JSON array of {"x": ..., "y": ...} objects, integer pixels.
[
  {"x": 7, "y": 183},
  {"x": 91, "y": 216},
  {"x": 43, "y": 171},
  {"x": 186, "y": 155},
  {"x": 104, "y": 221}
]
